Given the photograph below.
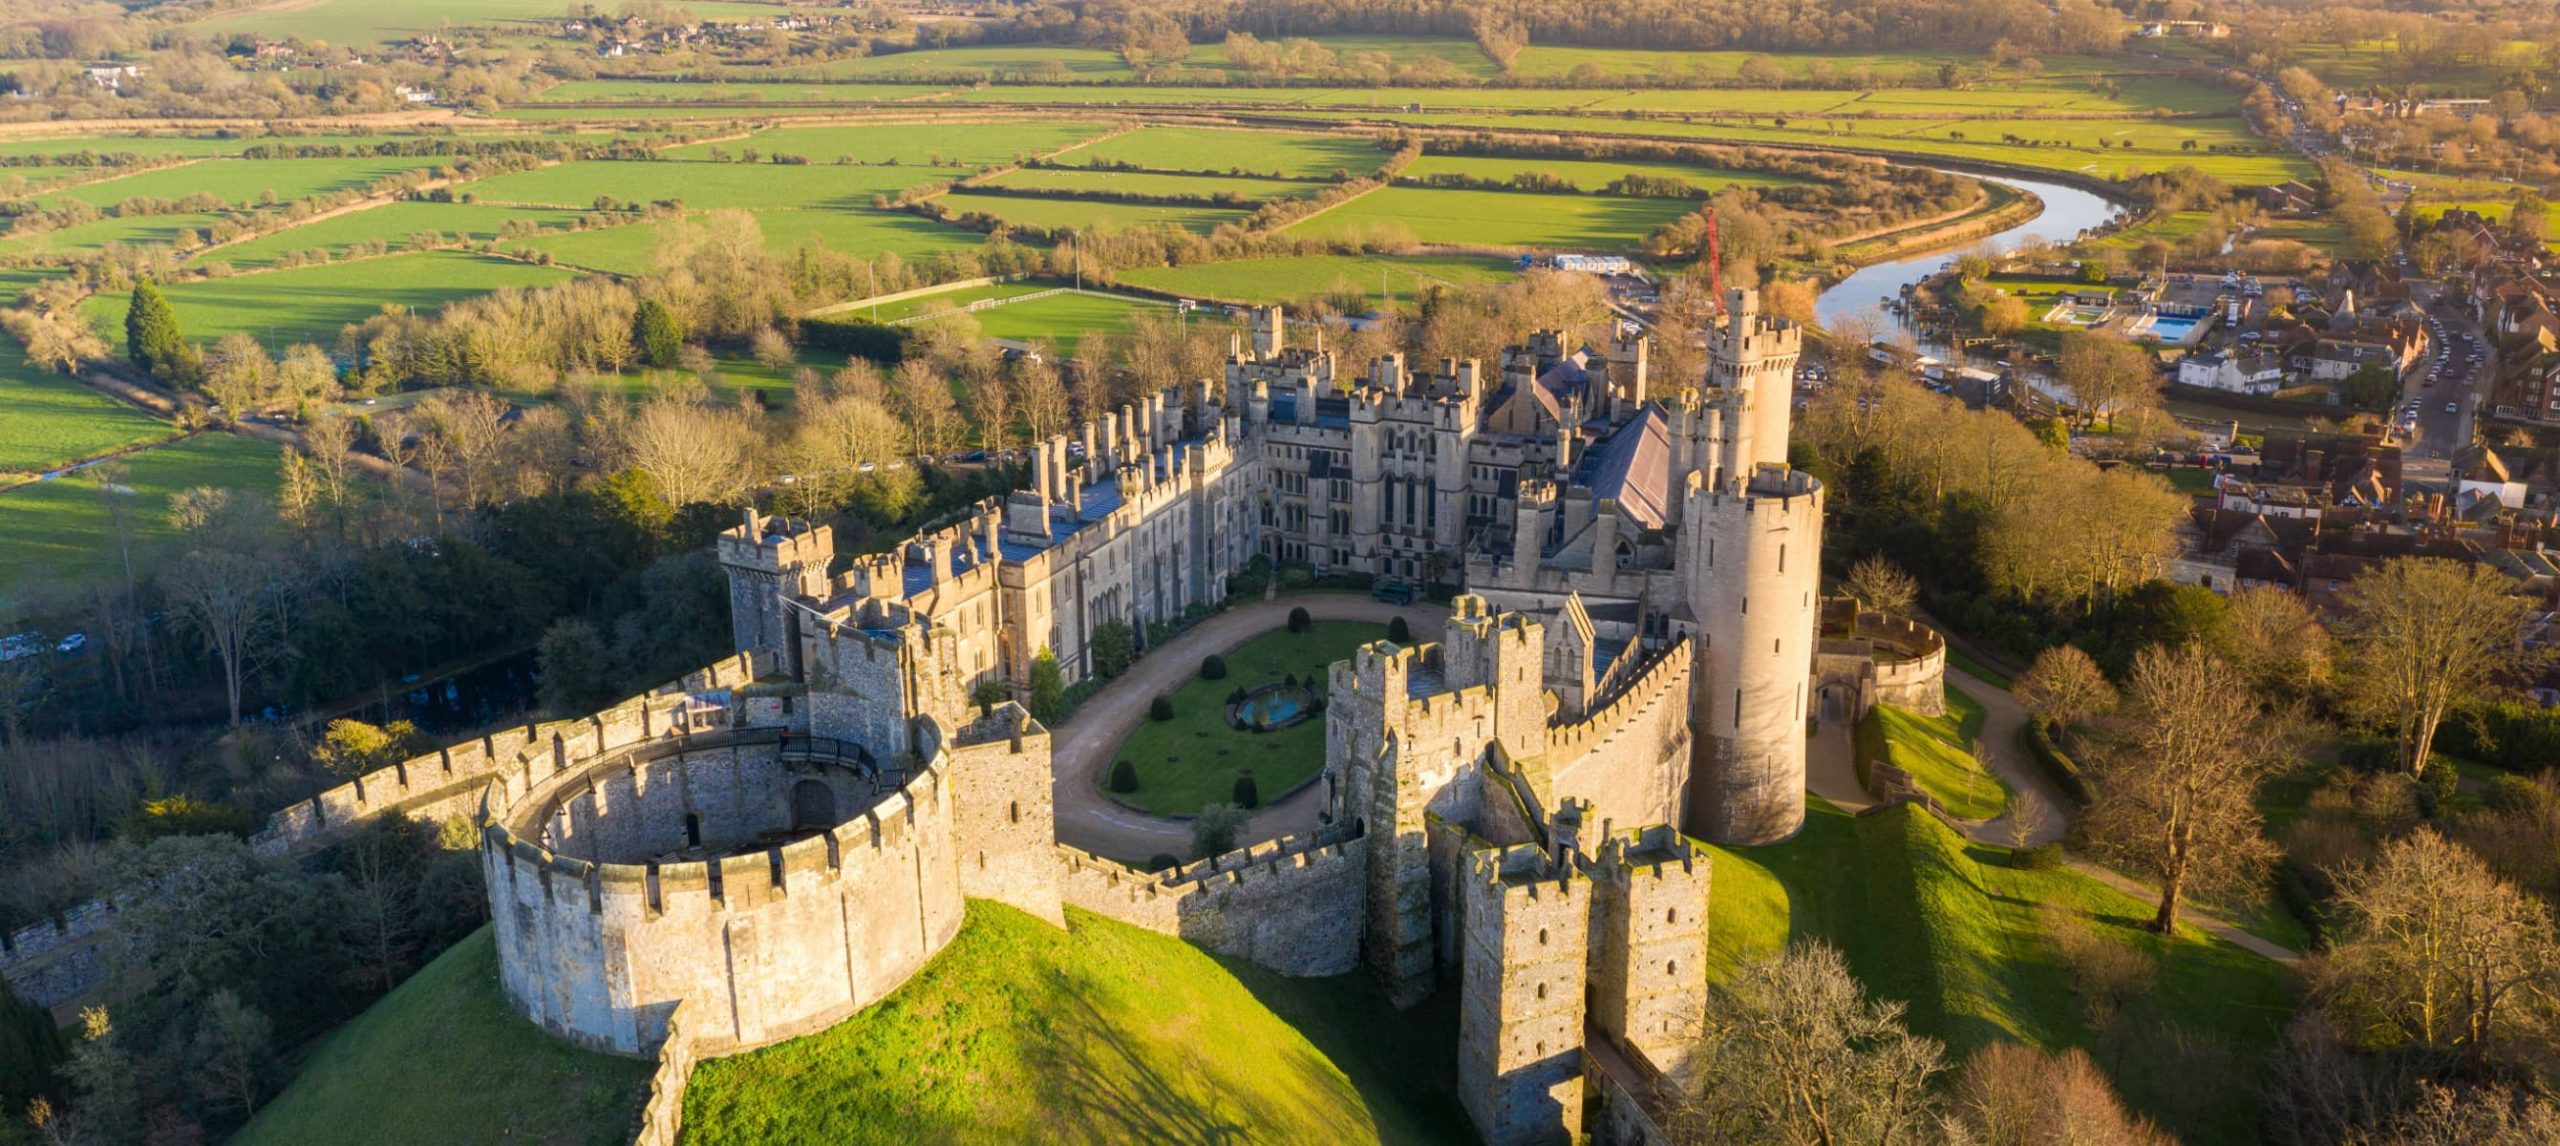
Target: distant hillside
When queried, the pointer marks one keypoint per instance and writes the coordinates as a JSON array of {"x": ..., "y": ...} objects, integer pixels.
[
  {"x": 1101, "y": 1034},
  {"x": 443, "y": 1059}
]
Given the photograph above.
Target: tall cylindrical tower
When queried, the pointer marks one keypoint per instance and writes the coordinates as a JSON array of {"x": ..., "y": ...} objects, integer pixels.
[
  {"x": 1753, "y": 356},
  {"x": 1752, "y": 563}
]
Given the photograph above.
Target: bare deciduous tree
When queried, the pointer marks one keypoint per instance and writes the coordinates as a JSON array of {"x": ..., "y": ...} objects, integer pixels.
[
  {"x": 2424, "y": 632},
  {"x": 2434, "y": 950},
  {"x": 2011, "y": 1094},
  {"x": 2064, "y": 687},
  {"x": 1041, "y": 393},
  {"x": 236, "y": 602},
  {"x": 693, "y": 451},
  {"x": 2175, "y": 780},
  {"x": 1793, "y": 1050},
  {"x": 2107, "y": 374},
  {"x": 1882, "y": 585}
]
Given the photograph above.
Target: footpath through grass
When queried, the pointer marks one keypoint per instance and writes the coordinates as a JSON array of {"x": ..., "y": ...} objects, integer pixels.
[
  {"x": 1192, "y": 760},
  {"x": 1100, "y": 1034},
  {"x": 1974, "y": 947},
  {"x": 444, "y": 1059}
]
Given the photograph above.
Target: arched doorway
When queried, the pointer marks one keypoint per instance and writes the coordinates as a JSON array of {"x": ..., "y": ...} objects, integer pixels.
[
  {"x": 1837, "y": 700},
  {"x": 813, "y": 805}
]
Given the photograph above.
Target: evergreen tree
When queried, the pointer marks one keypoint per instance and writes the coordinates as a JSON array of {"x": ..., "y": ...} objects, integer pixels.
[
  {"x": 151, "y": 335},
  {"x": 1048, "y": 688},
  {"x": 1124, "y": 776},
  {"x": 654, "y": 329},
  {"x": 1246, "y": 793}
]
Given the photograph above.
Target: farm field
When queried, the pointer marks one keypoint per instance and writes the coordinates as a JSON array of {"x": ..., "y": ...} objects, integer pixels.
[
  {"x": 309, "y": 304},
  {"x": 632, "y": 249},
  {"x": 911, "y": 144},
  {"x": 697, "y": 91},
  {"x": 1500, "y": 219},
  {"x": 1101, "y": 1033},
  {"x": 392, "y": 223},
  {"x": 1192, "y": 760},
  {"x": 1955, "y": 931},
  {"x": 705, "y": 186},
  {"x": 1262, "y": 152},
  {"x": 245, "y": 181},
  {"x": 1075, "y": 213},
  {"x": 451, "y": 1022},
  {"x": 57, "y": 535},
  {"x": 49, "y": 420},
  {"x": 1292, "y": 278},
  {"x": 1235, "y": 189},
  {"x": 1053, "y": 62},
  {"x": 96, "y": 235},
  {"x": 1589, "y": 174},
  {"x": 187, "y": 145},
  {"x": 2365, "y": 63},
  {"x": 1541, "y": 61},
  {"x": 954, "y": 299},
  {"x": 370, "y": 21},
  {"x": 1060, "y": 318}
]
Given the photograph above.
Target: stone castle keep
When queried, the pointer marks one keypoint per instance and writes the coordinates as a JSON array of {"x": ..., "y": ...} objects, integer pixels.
[{"x": 774, "y": 844}]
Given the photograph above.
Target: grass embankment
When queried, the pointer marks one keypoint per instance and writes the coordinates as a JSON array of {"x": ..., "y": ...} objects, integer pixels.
[
  {"x": 1099, "y": 1034},
  {"x": 1937, "y": 752},
  {"x": 1192, "y": 760},
  {"x": 444, "y": 1059},
  {"x": 1971, "y": 945}
]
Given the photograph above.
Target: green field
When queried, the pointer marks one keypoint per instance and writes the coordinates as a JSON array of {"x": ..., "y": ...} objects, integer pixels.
[
  {"x": 1051, "y": 214},
  {"x": 1192, "y": 760},
  {"x": 863, "y": 232},
  {"x": 952, "y": 299},
  {"x": 396, "y": 1069},
  {"x": 1262, "y": 152},
  {"x": 1239, "y": 190},
  {"x": 156, "y": 230},
  {"x": 1100, "y": 1034},
  {"x": 246, "y": 181},
  {"x": 192, "y": 145},
  {"x": 1500, "y": 219},
  {"x": 1053, "y": 62},
  {"x": 706, "y": 186},
  {"x": 1954, "y": 931},
  {"x": 393, "y": 223},
  {"x": 1296, "y": 277},
  {"x": 58, "y": 535},
  {"x": 368, "y": 21},
  {"x": 310, "y": 304},
  {"x": 1937, "y": 752},
  {"x": 912, "y": 144},
  {"x": 1541, "y": 61},
  {"x": 48, "y": 420},
  {"x": 1061, "y": 317},
  {"x": 1590, "y": 174},
  {"x": 694, "y": 91}
]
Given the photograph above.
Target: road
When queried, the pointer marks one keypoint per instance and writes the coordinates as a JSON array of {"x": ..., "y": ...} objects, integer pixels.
[
  {"x": 1082, "y": 745},
  {"x": 2447, "y": 392}
]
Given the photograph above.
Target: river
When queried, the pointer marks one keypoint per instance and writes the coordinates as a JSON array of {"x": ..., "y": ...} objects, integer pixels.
[{"x": 2067, "y": 212}]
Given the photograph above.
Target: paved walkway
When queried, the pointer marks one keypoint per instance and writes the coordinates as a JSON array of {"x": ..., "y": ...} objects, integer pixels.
[{"x": 1082, "y": 746}]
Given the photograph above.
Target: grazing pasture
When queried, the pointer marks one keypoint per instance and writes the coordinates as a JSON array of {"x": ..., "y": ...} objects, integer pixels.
[
  {"x": 49, "y": 420},
  {"x": 1259, "y": 152},
  {"x": 910, "y": 144},
  {"x": 57, "y": 536},
  {"x": 310, "y": 304},
  {"x": 1076, "y": 213},
  {"x": 244, "y": 182},
  {"x": 1151, "y": 183},
  {"x": 393, "y": 223},
  {"x": 1500, "y": 219},
  {"x": 706, "y": 186}
]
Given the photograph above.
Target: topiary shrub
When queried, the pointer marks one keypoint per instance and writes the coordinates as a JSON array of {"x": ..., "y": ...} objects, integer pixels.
[
  {"x": 1238, "y": 696},
  {"x": 1299, "y": 621},
  {"x": 1213, "y": 667},
  {"x": 1160, "y": 709},
  {"x": 2042, "y": 857},
  {"x": 1246, "y": 793},
  {"x": 1124, "y": 776},
  {"x": 1399, "y": 632}
]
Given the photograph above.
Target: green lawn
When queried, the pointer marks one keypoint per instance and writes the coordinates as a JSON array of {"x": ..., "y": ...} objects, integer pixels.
[
  {"x": 1263, "y": 152},
  {"x": 953, "y": 299},
  {"x": 860, "y": 231},
  {"x": 310, "y": 304},
  {"x": 1955, "y": 932},
  {"x": 246, "y": 181},
  {"x": 1061, "y": 317},
  {"x": 1500, "y": 219},
  {"x": 393, "y": 223},
  {"x": 1937, "y": 752},
  {"x": 911, "y": 144},
  {"x": 57, "y": 535},
  {"x": 1193, "y": 759},
  {"x": 396, "y": 1071},
  {"x": 1240, "y": 190},
  {"x": 1295, "y": 277},
  {"x": 1100, "y": 1034},
  {"x": 48, "y": 420},
  {"x": 1080, "y": 213}
]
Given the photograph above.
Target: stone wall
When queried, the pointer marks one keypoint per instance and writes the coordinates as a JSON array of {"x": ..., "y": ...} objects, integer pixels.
[
  {"x": 662, "y": 1112},
  {"x": 1291, "y": 905},
  {"x": 1520, "y": 1023},
  {"x": 1649, "y": 942},
  {"x": 1629, "y": 760},
  {"x": 1005, "y": 812}
]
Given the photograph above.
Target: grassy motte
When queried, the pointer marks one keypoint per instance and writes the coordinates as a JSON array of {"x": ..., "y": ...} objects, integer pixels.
[
  {"x": 1937, "y": 752},
  {"x": 1020, "y": 1032},
  {"x": 1191, "y": 760},
  {"x": 444, "y": 1059}
]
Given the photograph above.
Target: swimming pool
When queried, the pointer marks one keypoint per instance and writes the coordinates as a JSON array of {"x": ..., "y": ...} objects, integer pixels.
[{"x": 2172, "y": 329}]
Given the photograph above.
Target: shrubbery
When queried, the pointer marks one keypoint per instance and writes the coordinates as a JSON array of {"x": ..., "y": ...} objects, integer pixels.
[
  {"x": 1160, "y": 709},
  {"x": 1213, "y": 667},
  {"x": 1124, "y": 776},
  {"x": 1399, "y": 632},
  {"x": 1246, "y": 793},
  {"x": 1299, "y": 621}
]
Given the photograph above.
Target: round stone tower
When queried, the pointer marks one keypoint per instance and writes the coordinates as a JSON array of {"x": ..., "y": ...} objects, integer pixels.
[{"x": 1752, "y": 562}]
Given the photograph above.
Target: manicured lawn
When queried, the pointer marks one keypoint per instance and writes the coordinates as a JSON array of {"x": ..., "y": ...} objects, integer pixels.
[
  {"x": 1193, "y": 759},
  {"x": 1501, "y": 219},
  {"x": 48, "y": 420},
  {"x": 1054, "y": 213},
  {"x": 1020, "y": 1032},
  {"x": 1262, "y": 152},
  {"x": 1245, "y": 191},
  {"x": 1955, "y": 932},
  {"x": 1297, "y": 277},
  {"x": 393, "y": 223},
  {"x": 395, "y": 1071},
  {"x": 1589, "y": 174},
  {"x": 1061, "y": 317},
  {"x": 953, "y": 299},
  {"x": 1937, "y": 752},
  {"x": 57, "y": 535},
  {"x": 245, "y": 181},
  {"x": 310, "y": 304},
  {"x": 708, "y": 186},
  {"x": 911, "y": 144}
]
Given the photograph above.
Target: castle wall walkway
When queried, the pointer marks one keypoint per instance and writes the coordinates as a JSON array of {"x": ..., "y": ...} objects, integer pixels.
[{"x": 1082, "y": 745}]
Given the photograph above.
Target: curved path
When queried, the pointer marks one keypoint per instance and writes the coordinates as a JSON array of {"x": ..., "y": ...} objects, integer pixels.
[{"x": 1082, "y": 744}]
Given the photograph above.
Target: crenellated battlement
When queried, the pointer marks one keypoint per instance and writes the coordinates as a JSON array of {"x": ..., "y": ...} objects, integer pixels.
[{"x": 1665, "y": 678}]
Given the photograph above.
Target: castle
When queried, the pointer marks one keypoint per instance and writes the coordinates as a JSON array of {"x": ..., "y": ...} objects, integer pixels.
[{"x": 776, "y": 844}]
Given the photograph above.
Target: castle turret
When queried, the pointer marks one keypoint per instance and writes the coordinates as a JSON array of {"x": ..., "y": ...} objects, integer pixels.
[
  {"x": 769, "y": 559},
  {"x": 1520, "y": 1020},
  {"x": 1753, "y": 356},
  {"x": 1751, "y": 555},
  {"x": 1507, "y": 654},
  {"x": 1270, "y": 328},
  {"x": 1649, "y": 943}
]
